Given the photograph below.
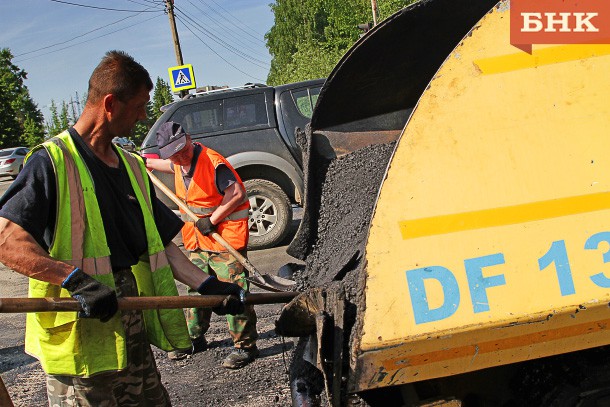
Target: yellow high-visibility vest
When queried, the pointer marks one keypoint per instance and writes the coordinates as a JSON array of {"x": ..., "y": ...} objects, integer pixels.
[{"x": 64, "y": 343}]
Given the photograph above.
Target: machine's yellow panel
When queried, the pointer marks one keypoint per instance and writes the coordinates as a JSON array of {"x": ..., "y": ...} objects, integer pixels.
[{"x": 495, "y": 213}]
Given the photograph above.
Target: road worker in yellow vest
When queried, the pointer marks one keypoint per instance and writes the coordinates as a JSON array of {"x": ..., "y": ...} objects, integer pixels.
[{"x": 82, "y": 220}]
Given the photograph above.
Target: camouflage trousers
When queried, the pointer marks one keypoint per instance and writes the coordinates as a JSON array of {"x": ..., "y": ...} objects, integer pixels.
[
  {"x": 225, "y": 267},
  {"x": 137, "y": 385}
]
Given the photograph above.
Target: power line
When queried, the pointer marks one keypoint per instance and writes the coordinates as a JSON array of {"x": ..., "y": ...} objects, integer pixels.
[
  {"x": 236, "y": 19},
  {"x": 221, "y": 42},
  {"x": 223, "y": 17},
  {"x": 216, "y": 53},
  {"x": 103, "y": 8},
  {"x": 227, "y": 30},
  {"x": 78, "y": 36},
  {"x": 88, "y": 40},
  {"x": 146, "y": 3},
  {"x": 229, "y": 34}
]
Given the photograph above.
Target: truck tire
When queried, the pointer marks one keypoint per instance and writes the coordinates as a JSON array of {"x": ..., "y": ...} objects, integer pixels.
[{"x": 270, "y": 214}]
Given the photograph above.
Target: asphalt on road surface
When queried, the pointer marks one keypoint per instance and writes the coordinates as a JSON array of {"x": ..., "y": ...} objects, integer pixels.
[{"x": 199, "y": 380}]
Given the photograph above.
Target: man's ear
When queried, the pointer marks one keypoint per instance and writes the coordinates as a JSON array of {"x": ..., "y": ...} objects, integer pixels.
[{"x": 109, "y": 103}]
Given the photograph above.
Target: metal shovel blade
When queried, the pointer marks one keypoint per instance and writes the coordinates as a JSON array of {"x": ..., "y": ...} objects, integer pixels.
[{"x": 272, "y": 283}]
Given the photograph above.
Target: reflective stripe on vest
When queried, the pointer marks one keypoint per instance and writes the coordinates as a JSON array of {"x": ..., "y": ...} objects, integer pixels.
[
  {"x": 64, "y": 343},
  {"x": 203, "y": 194}
]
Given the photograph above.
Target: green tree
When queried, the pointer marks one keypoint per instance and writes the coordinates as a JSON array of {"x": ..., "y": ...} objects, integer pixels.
[
  {"x": 309, "y": 37},
  {"x": 21, "y": 122},
  {"x": 320, "y": 61},
  {"x": 33, "y": 133},
  {"x": 65, "y": 119},
  {"x": 60, "y": 120},
  {"x": 296, "y": 22},
  {"x": 53, "y": 126},
  {"x": 9, "y": 127},
  {"x": 142, "y": 127},
  {"x": 162, "y": 96},
  {"x": 388, "y": 7}
]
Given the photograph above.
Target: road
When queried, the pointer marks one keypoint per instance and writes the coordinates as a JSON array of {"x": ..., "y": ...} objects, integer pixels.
[
  {"x": 25, "y": 380},
  {"x": 5, "y": 182}
]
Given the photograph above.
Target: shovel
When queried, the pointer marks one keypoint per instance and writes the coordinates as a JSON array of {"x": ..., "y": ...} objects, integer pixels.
[
  {"x": 265, "y": 281},
  {"x": 50, "y": 304},
  {"x": 19, "y": 305}
]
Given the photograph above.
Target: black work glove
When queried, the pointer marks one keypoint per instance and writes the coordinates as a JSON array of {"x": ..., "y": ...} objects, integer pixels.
[
  {"x": 205, "y": 226},
  {"x": 233, "y": 304},
  {"x": 96, "y": 299}
]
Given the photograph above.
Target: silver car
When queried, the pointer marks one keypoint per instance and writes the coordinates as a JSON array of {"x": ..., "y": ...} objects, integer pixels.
[{"x": 11, "y": 160}]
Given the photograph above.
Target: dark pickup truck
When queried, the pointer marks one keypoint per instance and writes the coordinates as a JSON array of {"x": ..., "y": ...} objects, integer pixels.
[{"x": 253, "y": 127}]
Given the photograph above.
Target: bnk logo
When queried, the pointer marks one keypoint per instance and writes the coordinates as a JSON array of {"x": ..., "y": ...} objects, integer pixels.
[{"x": 559, "y": 22}]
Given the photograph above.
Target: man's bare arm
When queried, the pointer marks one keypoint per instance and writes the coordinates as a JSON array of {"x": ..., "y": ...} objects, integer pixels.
[
  {"x": 184, "y": 271},
  {"x": 234, "y": 195},
  {"x": 160, "y": 165},
  {"x": 20, "y": 252}
]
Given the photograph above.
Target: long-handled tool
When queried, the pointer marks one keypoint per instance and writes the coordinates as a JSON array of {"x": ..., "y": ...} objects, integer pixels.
[
  {"x": 18, "y": 305},
  {"x": 265, "y": 281}
]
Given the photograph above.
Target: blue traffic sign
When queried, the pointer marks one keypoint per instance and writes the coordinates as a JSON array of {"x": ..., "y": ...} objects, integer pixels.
[{"x": 181, "y": 77}]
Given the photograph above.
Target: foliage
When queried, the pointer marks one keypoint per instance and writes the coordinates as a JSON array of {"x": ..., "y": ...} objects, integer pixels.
[
  {"x": 296, "y": 21},
  {"x": 319, "y": 63},
  {"x": 309, "y": 37},
  {"x": 60, "y": 120},
  {"x": 162, "y": 96},
  {"x": 21, "y": 122},
  {"x": 141, "y": 130},
  {"x": 388, "y": 7},
  {"x": 67, "y": 116},
  {"x": 33, "y": 133}
]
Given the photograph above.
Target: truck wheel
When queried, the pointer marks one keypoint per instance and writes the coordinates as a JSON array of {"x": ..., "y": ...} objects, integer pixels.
[{"x": 270, "y": 213}]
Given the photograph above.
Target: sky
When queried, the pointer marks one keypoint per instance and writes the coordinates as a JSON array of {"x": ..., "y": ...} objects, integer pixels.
[{"x": 59, "y": 42}]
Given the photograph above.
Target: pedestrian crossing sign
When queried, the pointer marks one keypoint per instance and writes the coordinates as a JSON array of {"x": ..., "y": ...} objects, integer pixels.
[{"x": 181, "y": 77}]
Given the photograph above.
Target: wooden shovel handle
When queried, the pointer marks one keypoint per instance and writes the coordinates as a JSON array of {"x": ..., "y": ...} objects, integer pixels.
[
  {"x": 182, "y": 205},
  {"x": 19, "y": 305}
]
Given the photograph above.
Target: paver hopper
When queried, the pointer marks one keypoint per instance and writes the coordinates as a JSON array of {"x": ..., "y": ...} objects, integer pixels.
[{"x": 467, "y": 264}]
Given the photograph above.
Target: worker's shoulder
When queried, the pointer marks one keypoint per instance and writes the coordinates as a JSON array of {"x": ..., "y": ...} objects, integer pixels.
[{"x": 38, "y": 162}]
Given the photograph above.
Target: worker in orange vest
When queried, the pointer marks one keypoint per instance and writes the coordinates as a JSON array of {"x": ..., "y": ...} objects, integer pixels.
[{"x": 213, "y": 190}]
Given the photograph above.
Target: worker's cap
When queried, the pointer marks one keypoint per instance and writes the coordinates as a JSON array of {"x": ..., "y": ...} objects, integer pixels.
[{"x": 171, "y": 138}]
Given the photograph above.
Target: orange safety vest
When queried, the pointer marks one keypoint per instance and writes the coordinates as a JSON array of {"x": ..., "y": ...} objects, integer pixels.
[{"x": 202, "y": 197}]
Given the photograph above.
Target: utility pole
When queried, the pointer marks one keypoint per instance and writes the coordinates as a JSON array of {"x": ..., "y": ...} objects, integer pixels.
[
  {"x": 374, "y": 8},
  {"x": 366, "y": 27},
  {"x": 172, "y": 22}
]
